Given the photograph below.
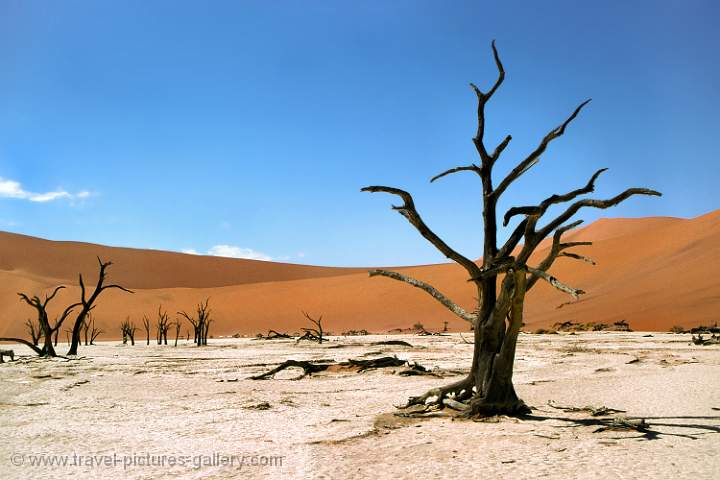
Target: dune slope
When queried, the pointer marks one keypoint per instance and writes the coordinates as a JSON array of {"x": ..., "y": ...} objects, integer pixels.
[{"x": 652, "y": 272}]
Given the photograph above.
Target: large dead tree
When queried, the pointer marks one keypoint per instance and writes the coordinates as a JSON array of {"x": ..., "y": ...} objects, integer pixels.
[
  {"x": 44, "y": 329},
  {"x": 504, "y": 276},
  {"x": 87, "y": 302}
]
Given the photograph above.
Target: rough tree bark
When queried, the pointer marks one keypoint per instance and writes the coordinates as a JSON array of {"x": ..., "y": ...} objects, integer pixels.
[
  {"x": 88, "y": 302},
  {"x": 504, "y": 276}
]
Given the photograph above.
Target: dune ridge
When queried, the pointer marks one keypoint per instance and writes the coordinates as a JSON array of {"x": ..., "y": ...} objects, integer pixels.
[{"x": 653, "y": 272}]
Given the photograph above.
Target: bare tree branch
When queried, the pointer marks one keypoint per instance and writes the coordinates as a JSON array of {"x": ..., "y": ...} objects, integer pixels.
[
  {"x": 482, "y": 100},
  {"x": 472, "y": 168},
  {"x": 587, "y": 202},
  {"x": 408, "y": 211},
  {"x": 575, "y": 292},
  {"x": 449, "y": 304},
  {"x": 555, "y": 250},
  {"x": 577, "y": 256},
  {"x": 534, "y": 157},
  {"x": 552, "y": 200}
]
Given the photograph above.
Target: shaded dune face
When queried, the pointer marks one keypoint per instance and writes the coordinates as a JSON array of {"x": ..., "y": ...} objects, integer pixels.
[{"x": 652, "y": 272}]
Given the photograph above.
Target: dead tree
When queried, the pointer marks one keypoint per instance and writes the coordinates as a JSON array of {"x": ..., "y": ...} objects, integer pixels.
[
  {"x": 87, "y": 302},
  {"x": 146, "y": 324},
  {"x": 95, "y": 331},
  {"x": 177, "y": 325},
  {"x": 499, "y": 312},
  {"x": 45, "y": 330},
  {"x": 34, "y": 330},
  {"x": 86, "y": 329},
  {"x": 312, "y": 334},
  {"x": 201, "y": 324},
  {"x": 162, "y": 326},
  {"x": 128, "y": 330}
]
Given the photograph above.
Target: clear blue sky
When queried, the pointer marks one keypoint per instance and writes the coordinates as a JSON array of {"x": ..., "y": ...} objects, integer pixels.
[{"x": 239, "y": 127}]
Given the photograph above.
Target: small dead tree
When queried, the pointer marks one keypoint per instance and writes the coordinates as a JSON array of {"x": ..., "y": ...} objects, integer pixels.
[
  {"x": 146, "y": 325},
  {"x": 86, "y": 329},
  {"x": 95, "y": 331},
  {"x": 504, "y": 277},
  {"x": 34, "y": 330},
  {"x": 128, "y": 330},
  {"x": 201, "y": 323},
  {"x": 161, "y": 326},
  {"x": 312, "y": 334},
  {"x": 87, "y": 302},
  {"x": 177, "y": 326}
]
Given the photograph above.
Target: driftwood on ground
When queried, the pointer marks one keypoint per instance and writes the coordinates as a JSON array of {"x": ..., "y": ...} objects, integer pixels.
[{"x": 315, "y": 366}]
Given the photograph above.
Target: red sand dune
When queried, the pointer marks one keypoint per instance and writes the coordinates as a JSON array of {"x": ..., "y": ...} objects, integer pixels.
[{"x": 652, "y": 272}]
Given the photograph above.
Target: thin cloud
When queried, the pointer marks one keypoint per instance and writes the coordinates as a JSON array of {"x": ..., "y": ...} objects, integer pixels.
[
  {"x": 231, "y": 251},
  {"x": 13, "y": 189}
]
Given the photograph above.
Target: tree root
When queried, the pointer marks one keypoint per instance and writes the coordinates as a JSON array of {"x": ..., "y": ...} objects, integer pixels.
[
  {"x": 321, "y": 365},
  {"x": 593, "y": 411},
  {"x": 461, "y": 390}
]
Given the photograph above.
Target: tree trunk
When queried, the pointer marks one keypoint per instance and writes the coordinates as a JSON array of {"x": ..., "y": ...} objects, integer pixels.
[{"x": 497, "y": 395}]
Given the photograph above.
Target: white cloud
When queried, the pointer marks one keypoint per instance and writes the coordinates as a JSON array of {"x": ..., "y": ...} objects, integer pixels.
[
  {"x": 13, "y": 189},
  {"x": 230, "y": 251},
  {"x": 237, "y": 252}
]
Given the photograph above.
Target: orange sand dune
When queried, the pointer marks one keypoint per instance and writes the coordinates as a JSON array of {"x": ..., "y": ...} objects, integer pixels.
[{"x": 652, "y": 272}]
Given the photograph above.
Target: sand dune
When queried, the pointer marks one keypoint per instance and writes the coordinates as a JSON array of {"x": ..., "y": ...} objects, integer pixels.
[{"x": 651, "y": 272}]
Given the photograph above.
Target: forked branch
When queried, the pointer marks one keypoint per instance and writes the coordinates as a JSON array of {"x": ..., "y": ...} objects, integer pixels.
[
  {"x": 408, "y": 211},
  {"x": 534, "y": 157}
]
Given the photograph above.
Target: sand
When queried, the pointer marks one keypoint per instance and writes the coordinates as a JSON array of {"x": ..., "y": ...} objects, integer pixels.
[
  {"x": 652, "y": 272},
  {"x": 189, "y": 401}
]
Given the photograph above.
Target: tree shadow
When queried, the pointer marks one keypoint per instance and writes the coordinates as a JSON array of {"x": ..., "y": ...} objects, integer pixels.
[{"x": 648, "y": 433}]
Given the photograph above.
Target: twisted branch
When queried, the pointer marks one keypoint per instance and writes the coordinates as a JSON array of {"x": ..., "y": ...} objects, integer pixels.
[
  {"x": 408, "y": 211},
  {"x": 445, "y": 301}
]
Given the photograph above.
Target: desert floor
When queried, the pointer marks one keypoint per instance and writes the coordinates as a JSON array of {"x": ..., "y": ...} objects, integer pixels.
[{"x": 190, "y": 405}]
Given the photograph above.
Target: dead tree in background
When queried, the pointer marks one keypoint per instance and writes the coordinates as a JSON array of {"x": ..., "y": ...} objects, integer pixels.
[
  {"x": 34, "y": 330},
  {"x": 146, "y": 324},
  {"x": 313, "y": 334},
  {"x": 498, "y": 315},
  {"x": 201, "y": 324},
  {"x": 95, "y": 331},
  {"x": 45, "y": 330},
  {"x": 177, "y": 325},
  {"x": 86, "y": 329},
  {"x": 161, "y": 326},
  {"x": 88, "y": 302},
  {"x": 128, "y": 330}
]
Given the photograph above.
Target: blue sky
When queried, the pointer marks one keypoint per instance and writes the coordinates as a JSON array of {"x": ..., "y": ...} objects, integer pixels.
[{"x": 248, "y": 128}]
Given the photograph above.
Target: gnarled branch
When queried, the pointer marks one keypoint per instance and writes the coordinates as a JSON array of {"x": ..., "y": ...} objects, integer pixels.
[
  {"x": 552, "y": 200},
  {"x": 445, "y": 301},
  {"x": 587, "y": 202},
  {"x": 575, "y": 292},
  {"x": 482, "y": 100},
  {"x": 471, "y": 168},
  {"x": 408, "y": 211},
  {"x": 534, "y": 157}
]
